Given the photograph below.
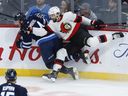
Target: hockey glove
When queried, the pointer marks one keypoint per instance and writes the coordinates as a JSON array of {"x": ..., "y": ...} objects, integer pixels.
[
  {"x": 26, "y": 40},
  {"x": 97, "y": 24},
  {"x": 40, "y": 17}
]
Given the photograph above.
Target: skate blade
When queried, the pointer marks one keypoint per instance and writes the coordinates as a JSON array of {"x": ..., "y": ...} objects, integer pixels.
[
  {"x": 49, "y": 79},
  {"x": 76, "y": 73},
  {"x": 87, "y": 58}
]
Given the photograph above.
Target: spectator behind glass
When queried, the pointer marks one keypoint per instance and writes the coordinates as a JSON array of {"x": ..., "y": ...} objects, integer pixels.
[
  {"x": 125, "y": 1},
  {"x": 76, "y": 6},
  {"x": 39, "y": 7},
  {"x": 65, "y": 6},
  {"x": 111, "y": 14},
  {"x": 125, "y": 7},
  {"x": 77, "y": 3},
  {"x": 86, "y": 11}
]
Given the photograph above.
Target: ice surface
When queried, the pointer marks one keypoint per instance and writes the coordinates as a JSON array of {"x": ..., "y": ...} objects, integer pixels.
[{"x": 67, "y": 87}]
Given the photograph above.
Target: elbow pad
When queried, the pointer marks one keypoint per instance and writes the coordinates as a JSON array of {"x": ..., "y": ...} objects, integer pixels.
[{"x": 86, "y": 21}]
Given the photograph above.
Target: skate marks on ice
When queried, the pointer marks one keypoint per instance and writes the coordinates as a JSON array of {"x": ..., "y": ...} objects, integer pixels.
[
  {"x": 67, "y": 87},
  {"x": 36, "y": 86},
  {"x": 59, "y": 88}
]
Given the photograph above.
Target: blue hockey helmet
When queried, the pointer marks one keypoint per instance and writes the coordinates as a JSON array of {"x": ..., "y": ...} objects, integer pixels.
[{"x": 11, "y": 75}]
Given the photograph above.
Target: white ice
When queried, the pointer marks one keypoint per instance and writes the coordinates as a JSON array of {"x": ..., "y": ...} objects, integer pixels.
[{"x": 67, "y": 87}]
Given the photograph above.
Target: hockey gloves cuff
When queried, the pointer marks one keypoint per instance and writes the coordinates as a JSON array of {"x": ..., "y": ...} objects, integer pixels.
[{"x": 97, "y": 23}]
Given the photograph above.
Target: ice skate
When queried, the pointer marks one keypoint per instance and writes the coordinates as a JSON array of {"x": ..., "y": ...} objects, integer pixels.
[
  {"x": 117, "y": 35},
  {"x": 74, "y": 73},
  {"x": 51, "y": 77},
  {"x": 85, "y": 57}
]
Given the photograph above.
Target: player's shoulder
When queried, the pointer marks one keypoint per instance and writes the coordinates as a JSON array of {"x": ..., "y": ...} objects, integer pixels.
[
  {"x": 20, "y": 87},
  {"x": 68, "y": 13},
  {"x": 3, "y": 84}
]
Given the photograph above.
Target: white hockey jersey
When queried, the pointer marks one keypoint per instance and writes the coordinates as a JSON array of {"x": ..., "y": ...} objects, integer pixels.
[{"x": 67, "y": 26}]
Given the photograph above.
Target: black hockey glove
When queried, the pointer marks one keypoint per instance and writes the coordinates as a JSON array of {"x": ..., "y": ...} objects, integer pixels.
[
  {"x": 40, "y": 17},
  {"x": 26, "y": 40},
  {"x": 97, "y": 24}
]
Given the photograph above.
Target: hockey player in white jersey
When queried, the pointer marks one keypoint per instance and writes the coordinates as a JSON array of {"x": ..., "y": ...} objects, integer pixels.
[
  {"x": 72, "y": 29},
  {"x": 49, "y": 44}
]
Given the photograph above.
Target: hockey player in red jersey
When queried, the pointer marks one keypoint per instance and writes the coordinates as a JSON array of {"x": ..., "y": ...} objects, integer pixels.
[
  {"x": 72, "y": 29},
  {"x": 49, "y": 44}
]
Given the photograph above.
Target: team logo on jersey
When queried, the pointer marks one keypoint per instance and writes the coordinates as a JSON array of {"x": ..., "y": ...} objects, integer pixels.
[{"x": 65, "y": 27}]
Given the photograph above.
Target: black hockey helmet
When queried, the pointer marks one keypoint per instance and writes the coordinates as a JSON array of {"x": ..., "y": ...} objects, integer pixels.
[
  {"x": 20, "y": 16},
  {"x": 11, "y": 75}
]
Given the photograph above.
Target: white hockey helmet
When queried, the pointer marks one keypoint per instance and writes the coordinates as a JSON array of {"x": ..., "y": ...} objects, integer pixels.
[
  {"x": 54, "y": 10},
  {"x": 54, "y": 13}
]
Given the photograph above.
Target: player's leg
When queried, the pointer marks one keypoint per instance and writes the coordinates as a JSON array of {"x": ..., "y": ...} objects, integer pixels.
[
  {"x": 94, "y": 41},
  {"x": 59, "y": 67},
  {"x": 72, "y": 71},
  {"x": 58, "y": 63},
  {"x": 48, "y": 47},
  {"x": 80, "y": 39}
]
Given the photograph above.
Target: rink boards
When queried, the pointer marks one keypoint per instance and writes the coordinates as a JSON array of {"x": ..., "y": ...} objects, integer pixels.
[{"x": 108, "y": 60}]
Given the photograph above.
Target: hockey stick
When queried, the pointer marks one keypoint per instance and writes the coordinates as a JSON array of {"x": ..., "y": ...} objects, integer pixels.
[
  {"x": 7, "y": 15},
  {"x": 14, "y": 7},
  {"x": 125, "y": 13}
]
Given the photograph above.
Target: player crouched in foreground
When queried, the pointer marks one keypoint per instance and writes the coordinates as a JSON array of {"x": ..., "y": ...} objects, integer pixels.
[
  {"x": 72, "y": 28},
  {"x": 10, "y": 88}
]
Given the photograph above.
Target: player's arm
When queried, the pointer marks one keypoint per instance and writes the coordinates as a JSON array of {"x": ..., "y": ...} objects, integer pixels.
[
  {"x": 85, "y": 21},
  {"x": 40, "y": 18},
  {"x": 50, "y": 28},
  {"x": 78, "y": 19},
  {"x": 25, "y": 40},
  {"x": 96, "y": 23},
  {"x": 22, "y": 91}
]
